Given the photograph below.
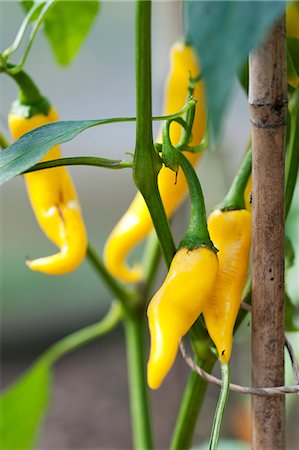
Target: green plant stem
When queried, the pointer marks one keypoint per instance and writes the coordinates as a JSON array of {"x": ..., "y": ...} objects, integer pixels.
[
  {"x": 21, "y": 32},
  {"x": 190, "y": 407},
  {"x": 235, "y": 196},
  {"x": 81, "y": 161},
  {"x": 292, "y": 157},
  {"x": 83, "y": 336},
  {"x": 147, "y": 164},
  {"x": 45, "y": 10},
  {"x": 141, "y": 425},
  {"x": 3, "y": 142},
  {"x": 127, "y": 297},
  {"x": 224, "y": 392}
]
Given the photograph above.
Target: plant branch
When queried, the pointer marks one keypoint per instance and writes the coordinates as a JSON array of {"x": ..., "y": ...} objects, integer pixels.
[
  {"x": 81, "y": 161},
  {"x": 127, "y": 297},
  {"x": 45, "y": 10},
  {"x": 21, "y": 32},
  {"x": 190, "y": 406},
  {"x": 141, "y": 424},
  {"x": 83, "y": 336},
  {"x": 147, "y": 163},
  {"x": 218, "y": 418}
]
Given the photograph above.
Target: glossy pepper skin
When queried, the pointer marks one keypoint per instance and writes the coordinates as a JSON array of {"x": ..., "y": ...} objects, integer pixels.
[
  {"x": 177, "y": 304},
  {"x": 136, "y": 223},
  {"x": 55, "y": 204},
  {"x": 231, "y": 234}
]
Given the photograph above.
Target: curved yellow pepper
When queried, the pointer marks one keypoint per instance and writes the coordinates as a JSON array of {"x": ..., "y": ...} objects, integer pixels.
[
  {"x": 231, "y": 234},
  {"x": 55, "y": 204},
  {"x": 177, "y": 304},
  {"x": 136, "y": 223}
]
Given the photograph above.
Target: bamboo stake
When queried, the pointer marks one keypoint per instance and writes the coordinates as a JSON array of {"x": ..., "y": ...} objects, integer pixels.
[{"x": 268, "y": 106}]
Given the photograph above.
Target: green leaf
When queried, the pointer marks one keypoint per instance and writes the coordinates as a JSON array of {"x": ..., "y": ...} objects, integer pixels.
[
  {"x": 31, "y": 147},
  {"x": 67, "y": 26},
  {"x": 223, "y": 33},
  {"x": 24, "y": 404},
  {"x": 23, "y": 407}
]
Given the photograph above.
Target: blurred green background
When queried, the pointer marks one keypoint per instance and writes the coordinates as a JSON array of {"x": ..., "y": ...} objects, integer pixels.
[{"x": 90, "y": 386}]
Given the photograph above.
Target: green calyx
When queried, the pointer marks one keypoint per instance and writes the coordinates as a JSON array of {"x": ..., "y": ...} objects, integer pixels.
[
  {"x": 30, "y": 101},
  {"x": 235, "y": 196}
]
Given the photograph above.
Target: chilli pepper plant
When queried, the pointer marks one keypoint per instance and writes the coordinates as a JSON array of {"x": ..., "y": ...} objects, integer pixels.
[{"x": 209, "y": 270}]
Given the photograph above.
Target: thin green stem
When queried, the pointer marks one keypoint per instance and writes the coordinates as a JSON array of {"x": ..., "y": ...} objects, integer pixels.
[
  {"x": 224, "y": 392},
  {"x": 141, "y": 425},
  {"x": 127, "y": 297},
  {"x": 197, "y": 233},
  {"x": 147, "y": 164},
  {"x": 292, "y": 158},
  {"x": 202, "y": 146},
  {"x": 190, "y": 407},
  {"x": 235, "y": 196},
  {"x": 3, "y": 142},
  {"x": 81, "y": 161},
  {"x": 21, "y": 32},
  {"x": 83, "y": 336},
  {"x": 45, "y": 10}
]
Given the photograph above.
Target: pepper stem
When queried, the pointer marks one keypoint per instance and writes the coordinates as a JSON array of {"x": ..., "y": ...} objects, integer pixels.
[
  {"x": 29, "y": 94},
  {"x": 235, "y": 197},
  {"x": 225, "y": 374},
  {"x": 197, "y": 233}
]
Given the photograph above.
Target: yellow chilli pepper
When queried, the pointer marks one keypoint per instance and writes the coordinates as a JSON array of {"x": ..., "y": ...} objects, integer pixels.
[
  {"x": 231, "y": 234},
  {"x": 54, "y": 202},
  {"x": 186, "y": 289},
  {"x": 136, "y": 223},
  {"x": 177, "y": 304},
  {"x": 230, "y": 229}
]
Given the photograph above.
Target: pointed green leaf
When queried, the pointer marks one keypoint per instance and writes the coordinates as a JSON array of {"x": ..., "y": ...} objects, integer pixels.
[
  {"x": 30, "y": 148},
  {"x": 223, "y": 33},
  {"x": 22, "y": 408},
  {"x": 67, "y": 26}
]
